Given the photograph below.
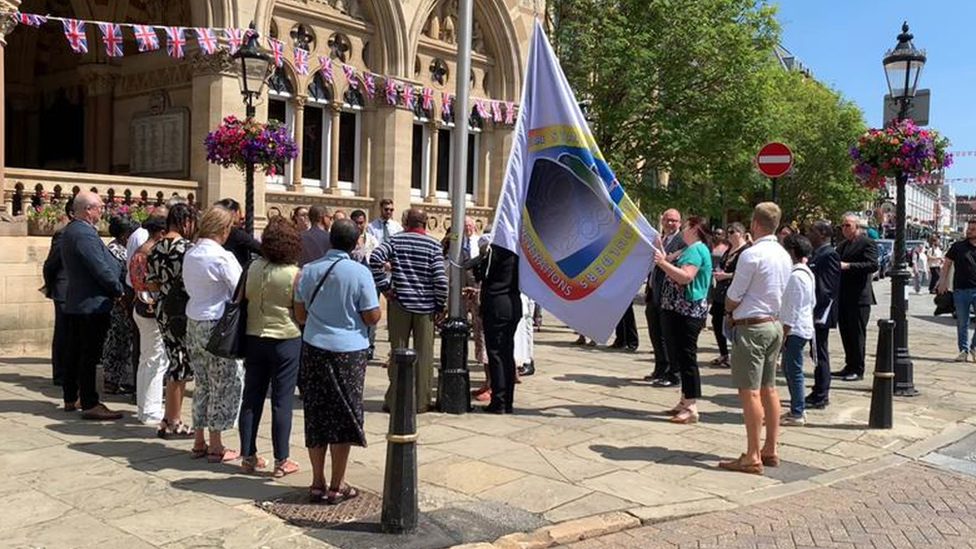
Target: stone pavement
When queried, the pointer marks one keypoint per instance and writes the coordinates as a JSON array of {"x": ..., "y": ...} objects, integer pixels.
[{"x": 589, "y": 437}]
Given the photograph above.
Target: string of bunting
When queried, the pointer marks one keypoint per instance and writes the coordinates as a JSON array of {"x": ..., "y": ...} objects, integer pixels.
[{"x": 147, "y": 40}]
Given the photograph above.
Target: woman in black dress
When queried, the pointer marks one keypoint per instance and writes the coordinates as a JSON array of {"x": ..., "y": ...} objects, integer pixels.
[
  {"x": 736, "y": 235},
  {"x": 164, "y": 273},
  {"x": 117, "y": 351}
]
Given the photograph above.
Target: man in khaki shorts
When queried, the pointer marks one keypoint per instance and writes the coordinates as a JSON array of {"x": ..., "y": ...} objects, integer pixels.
[{"x": 753, "y": 302}]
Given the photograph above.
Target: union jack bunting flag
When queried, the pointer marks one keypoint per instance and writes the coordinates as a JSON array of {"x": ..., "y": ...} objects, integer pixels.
[
  {"x": 207, "y": 39},
  {"x": 408, "y": 96},
  {"x": 428, "y": 98},
  {"x": 301, "y": 61},
  {"x": 277, "y": 51},
  {"x": 146, "y": 37},
  {"x": 325, "y": 67},
  {"x": 112, "y": 38},
  {"x": 496, "y": 111},
  {"x": 235, "y": 39},
  {"x": 74, "y": 31},
  {"x": 175, "y": 41},
  {"x": 30, "y": 19},
  {"x": 446, "y": 103},
  {"x": 509, "y": 112},
  {"x": 391, "y": 91},
  {"x": 479, "y": 105},
  {"x": 350, "y": 76},
  {"x": 370, "y": 84}
]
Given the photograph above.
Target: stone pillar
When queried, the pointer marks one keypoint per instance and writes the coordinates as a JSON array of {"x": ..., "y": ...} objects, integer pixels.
[
  {"x": 433, "y": 135},
  {"x": 299, "y": 131},
  {"x": 7, "y": 24},
  {"x": 391, "y": 159},
  {"x": 334, "y": 109},
  {"x": 99, "y": 81},
  {"x": 501, "y": 144}
]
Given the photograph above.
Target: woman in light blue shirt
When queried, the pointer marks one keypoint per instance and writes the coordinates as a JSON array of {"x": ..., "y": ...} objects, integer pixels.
[{"x": 336, "y": 299}]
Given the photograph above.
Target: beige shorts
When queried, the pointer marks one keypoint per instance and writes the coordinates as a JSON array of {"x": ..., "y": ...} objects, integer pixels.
[{"x": 755, "y": 353}]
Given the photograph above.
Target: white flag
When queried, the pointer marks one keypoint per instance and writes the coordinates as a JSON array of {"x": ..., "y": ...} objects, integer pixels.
[{"x": 584, "y": 248}]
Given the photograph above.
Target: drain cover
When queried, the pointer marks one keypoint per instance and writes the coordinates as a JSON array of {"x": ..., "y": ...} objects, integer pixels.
[{"x": 296, "y": 509}]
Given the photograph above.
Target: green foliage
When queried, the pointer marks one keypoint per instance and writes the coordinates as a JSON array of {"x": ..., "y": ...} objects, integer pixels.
[{"x": 691, "y": 87}]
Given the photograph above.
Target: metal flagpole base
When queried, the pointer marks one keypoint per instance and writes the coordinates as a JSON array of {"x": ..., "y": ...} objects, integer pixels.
[{"x": 454, "y": 379}]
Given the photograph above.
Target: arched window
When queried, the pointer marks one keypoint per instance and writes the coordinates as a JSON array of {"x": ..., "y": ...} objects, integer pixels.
[
  {"x": 280, "y": 108},
  {"x": 317, "y": 134}
]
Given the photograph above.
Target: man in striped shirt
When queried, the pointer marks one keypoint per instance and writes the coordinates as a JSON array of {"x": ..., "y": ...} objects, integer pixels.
[{"x": 416, "y": 292}]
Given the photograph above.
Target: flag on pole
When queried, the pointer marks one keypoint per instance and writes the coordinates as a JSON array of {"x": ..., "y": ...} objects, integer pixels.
[
  {"x": 175, "y": 41},
  {"x": 509, "y": 112},
  {"x": 428, "y": 96},
  {"x": 408, "y": 96},
  {"x": 146, "y": 37},
  {"x": 112, "y": 38},
  {"x": 30, "y": 19},
  {"x": 391, "y": 92},
  {"x": 369, "y": 84},
  {"x": 496, "y": 111},
  {"x": 74, "y": 31},
  {"x": 277, "y": 51},
  {"x": 350, "y": 76},
  {"x": 325, "y": 67},
  {"x": 235, "y": 39},
  {"x": 583, "y": 247},
  {"x": 207, "y": 39},
  {"x": 301, "y": 61}
]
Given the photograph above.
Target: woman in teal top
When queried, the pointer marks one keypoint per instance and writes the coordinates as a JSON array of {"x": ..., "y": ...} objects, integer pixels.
[{"x": 684, "y": 309}]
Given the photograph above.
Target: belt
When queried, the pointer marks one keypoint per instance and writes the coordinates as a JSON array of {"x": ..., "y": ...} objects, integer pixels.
[{"x": 752, "y": 321}]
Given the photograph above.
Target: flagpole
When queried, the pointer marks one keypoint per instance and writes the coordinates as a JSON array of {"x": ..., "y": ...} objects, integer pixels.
[{"x": 454, "y": 387}]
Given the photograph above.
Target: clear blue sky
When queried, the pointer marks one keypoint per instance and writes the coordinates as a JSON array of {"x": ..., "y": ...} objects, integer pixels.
[{"x": 844, "y": 41}]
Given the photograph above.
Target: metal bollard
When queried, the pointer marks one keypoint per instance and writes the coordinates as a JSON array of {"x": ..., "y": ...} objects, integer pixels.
[
  {"x": 454, "y": 379},
  {"x": 882, "y": 394},
  {"x": 400, "y": 505}
]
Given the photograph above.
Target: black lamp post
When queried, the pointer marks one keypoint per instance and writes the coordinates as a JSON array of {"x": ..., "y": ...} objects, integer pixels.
[
  {"x": 255, "y": 65},
  {"x": 903, "y": 64}
]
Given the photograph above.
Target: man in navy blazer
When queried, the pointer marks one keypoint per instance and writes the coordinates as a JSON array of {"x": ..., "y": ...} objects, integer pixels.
[
  {"x": 56, "y": 289},
  {"x": 94, "y": 283},
  {"x": 825, "y": 264}
]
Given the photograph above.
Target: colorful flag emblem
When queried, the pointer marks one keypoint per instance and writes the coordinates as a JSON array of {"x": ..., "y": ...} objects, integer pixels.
[
  {"x": 350, "y": 76},
  {"x": 428, "y": 98},
  {"x": 175, "y": 41},
  {"x": 369, "y": 84},
  {"x": 583, "y": 246},
  {"x": 207, "y": 39},
  {"x": 112, "y": 38},
  {"x": 74, "y": 31},
  {"x": 29, "y": 19},
  {"x": 325, "y": 67},
  {"x": 277, "y": 51},
  {"x": 235, "y": 39},
  {"x": 391, "y": 91},
  {"x": 301, "y": 61},
  {"x": 146, "y": 37},
  {"x": 408, "y": 96},
  {"x": 446, "y": 103}
]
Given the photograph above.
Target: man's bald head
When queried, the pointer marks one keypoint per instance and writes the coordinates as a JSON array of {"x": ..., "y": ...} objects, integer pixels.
[
  {"x": 671, "y": 221},
  {"x": 416, "y": 218},
  {"x": 88, "y": 206}
]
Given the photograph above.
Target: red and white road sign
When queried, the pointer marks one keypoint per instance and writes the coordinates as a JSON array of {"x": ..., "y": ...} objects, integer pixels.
[{"x": 774, "y": 159}]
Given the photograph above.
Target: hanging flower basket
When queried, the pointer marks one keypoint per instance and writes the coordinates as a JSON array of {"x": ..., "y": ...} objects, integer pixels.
[
  {"x": 903, "y": 149},
  {"x": 235, "y": 143}
]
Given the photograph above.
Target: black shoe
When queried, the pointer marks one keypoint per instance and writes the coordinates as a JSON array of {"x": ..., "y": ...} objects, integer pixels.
[
  {"x": 632, "y": 349},
  {"x": 843, "y": 373},
  {"x": 527, "y": 369},
  {"x": 664, "y": 382},
  {"x": 651, "y": 377},
  {"x": 852, "y": 377},
  {"x": 496, "y": 408},
  {"x": 816, "y": 404},
  {"x": 617, "y": 345}
]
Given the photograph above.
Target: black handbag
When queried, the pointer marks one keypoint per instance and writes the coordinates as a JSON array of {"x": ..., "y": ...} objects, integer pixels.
[
  {"x": 944, "y": 304},
  {"x": 227, "y": 337}
]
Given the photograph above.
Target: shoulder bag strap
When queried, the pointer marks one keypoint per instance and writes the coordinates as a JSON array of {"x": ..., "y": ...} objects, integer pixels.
[
  {"x": 241, "y": 288},
  {"x": 321, "y": 282}
]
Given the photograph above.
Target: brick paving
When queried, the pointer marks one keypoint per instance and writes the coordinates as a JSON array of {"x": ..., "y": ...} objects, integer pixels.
[{"x": 906, "y": 507}]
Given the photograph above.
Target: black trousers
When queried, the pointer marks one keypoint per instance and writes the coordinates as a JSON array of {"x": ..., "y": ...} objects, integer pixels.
[
  {"x": 718, "y": 326},
  {"x": 853, "y": 323},
  {"x": 934, "y": 274},
  {"x": 273, "y": 362},
  {"x": 86, "y": 336},
  {"x": 501, "y": 318},
  {"x": 662, "y": 367},
  {"x": 821, "y": 374},
  {"x": 681, "y": 337},
  {"x": 626, "y": 332},
  {"x": 59, "y": 343}
]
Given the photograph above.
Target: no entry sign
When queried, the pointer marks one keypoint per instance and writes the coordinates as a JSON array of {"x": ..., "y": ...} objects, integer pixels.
[{"x": 774, "y": 159}]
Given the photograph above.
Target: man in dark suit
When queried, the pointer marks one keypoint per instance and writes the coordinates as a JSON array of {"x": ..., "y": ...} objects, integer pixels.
[
  {"x": 825, "y": 265},
  {"x": 94, "y": 283},
  {"x": 663, "y": 375},
  {"x": 858, "y": 261},
  {"x": 239, "y": 242},
  {"x": 315, "y": 241},
  {"x": 56, "y": 289}
]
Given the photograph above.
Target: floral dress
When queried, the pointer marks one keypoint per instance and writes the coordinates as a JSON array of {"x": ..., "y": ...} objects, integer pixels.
[
  {"x": 164, "y": 267},
  {"x": 117, "y": 350}
]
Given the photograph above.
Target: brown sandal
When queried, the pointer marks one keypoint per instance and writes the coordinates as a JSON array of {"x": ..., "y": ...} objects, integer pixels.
[
  {"x": 770, "y": 461},
  {"x": 252, "y": 463},
  {"x": 284, "y": 467},
  {"x": 223, "y": 456},
  {"x": 336, "y": 497},
  {"x": 739, "y": 466},
  {"x": 316, "y": 494},
  {"x": 197, "y": 453}
]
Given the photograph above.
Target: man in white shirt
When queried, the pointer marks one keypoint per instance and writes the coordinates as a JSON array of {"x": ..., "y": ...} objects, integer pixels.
[
  {"x": 797, "y": 319},
  {"x": 754, "y": 301},
  {"x": 384, "y": 226}
]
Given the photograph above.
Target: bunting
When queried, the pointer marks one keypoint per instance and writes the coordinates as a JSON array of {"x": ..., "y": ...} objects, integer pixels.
[
  {"x": 428, "y": 98},
  {"x": 207, "y": 39},
  {"x": 235, "y": 39},
  {"x": 369, "y": 84},
  {"x": 509, "y": 112},
  {"x": 112, "y": 38},
  {"x": 301, "y": 61},
  {"x": 446, "y": 103},
  {"x": 74, "y": 31},
  {"x": 391, "y": 91},
  {"x": 325, "y": 67},
  {"x": 350, "y": 73},
  {"x": 479, "y": 106},
  {"x": 175, "y": 41},
  {"x": 496, "y": 111},
  {"x": 146, "y": 37},
  {"x": 29, "y": 19},
  {"x": 408, "y": 96},
  {"x": 277, "y": 51}
]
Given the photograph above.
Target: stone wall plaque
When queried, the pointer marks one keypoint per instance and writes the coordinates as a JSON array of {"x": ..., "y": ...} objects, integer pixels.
[{"x": 159, "y": 144}]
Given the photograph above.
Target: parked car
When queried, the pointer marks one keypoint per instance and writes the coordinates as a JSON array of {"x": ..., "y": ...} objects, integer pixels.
[{"x": 886, "y": 248}]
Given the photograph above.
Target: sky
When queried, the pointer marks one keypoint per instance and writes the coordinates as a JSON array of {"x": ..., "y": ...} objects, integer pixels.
[{"x": 844, "y": 41}]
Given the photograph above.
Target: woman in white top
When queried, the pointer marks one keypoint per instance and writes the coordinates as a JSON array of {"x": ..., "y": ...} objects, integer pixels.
[
  {"x": 796, "y": 314},
  {"x": 934, "y": 255},
  {"x": 210, "y": 274}
]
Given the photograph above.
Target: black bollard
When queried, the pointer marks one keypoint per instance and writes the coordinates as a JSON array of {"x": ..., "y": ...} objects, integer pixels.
[
  {"x": 454, "y": 379},
  {"x": 400, "y": 506},
  {"x": 882, "y": 395}
]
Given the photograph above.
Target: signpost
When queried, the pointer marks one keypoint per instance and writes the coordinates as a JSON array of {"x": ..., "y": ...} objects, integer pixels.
[{"x": 774, "y": 159}]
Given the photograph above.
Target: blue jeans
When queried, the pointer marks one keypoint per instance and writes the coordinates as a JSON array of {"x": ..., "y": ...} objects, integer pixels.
[
  {"x": 793, "y": 370},
  {"x": 964, "y": 300},
  {"x": 271, "y": 362}
]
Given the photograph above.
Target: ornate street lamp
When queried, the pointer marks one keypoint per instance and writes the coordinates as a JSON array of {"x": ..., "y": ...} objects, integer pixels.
[
  {"x": 902, "y": 64},
  {"x": 255, "y": 68}
]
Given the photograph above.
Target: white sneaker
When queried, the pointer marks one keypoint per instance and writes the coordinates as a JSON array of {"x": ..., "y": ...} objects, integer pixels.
[
  {"x": 972, "y": 355},
  {"x": 963, "y": 356},
  {"x": 787, "y": 420}
]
